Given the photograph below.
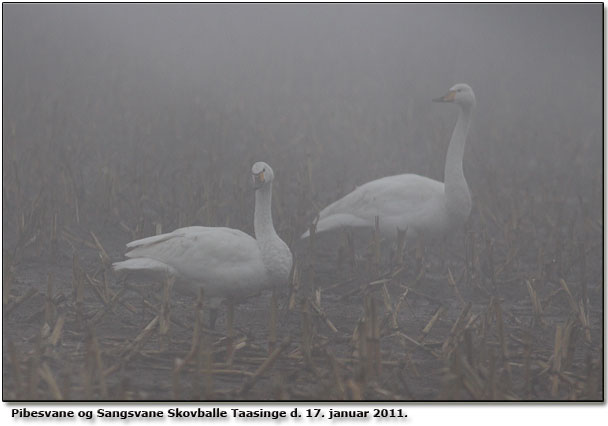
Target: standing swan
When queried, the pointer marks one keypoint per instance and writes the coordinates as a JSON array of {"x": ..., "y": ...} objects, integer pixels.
[
  {"x": 224, "y": 262},
  {"x": 422, "y": 206}
]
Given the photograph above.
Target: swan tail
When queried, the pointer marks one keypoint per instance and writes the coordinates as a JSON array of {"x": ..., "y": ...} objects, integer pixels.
[
  {"x": 142, "y": 264},
  {"x": 150, "y": 240}
]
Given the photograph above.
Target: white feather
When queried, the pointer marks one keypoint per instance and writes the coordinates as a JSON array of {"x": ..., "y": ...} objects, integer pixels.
[
  {"x": 225, "y": 262},
  {"x": 417, "y": 204}
]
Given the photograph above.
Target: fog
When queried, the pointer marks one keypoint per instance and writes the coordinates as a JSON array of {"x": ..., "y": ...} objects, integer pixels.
[
  {"x": 303, "y": 72},
  {"x": 125, "y": 120}
]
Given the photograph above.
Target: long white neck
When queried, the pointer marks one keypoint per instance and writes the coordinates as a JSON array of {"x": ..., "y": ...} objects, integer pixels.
[
  {"x": 262, "y": 220},
  {"x": 275, "y": 254},
  {"x": 458, "y": 198}
]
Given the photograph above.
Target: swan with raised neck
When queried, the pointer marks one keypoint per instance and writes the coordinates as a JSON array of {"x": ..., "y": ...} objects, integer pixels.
[
  {"x": 421, "y": 206},
  {"x": 457, "y": 195},
  {"x": 275, "y": 253}
]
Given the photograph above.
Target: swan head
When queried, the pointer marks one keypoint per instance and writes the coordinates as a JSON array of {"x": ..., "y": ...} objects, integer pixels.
[
  {"x": 261, "y": 174},
  {"x": 460, "y": 94}
]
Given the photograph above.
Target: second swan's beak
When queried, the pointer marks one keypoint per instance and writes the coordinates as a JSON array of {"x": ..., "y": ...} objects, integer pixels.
[
  {"x": 258, "y": 180},
  {"x": 448, "y": 97}
]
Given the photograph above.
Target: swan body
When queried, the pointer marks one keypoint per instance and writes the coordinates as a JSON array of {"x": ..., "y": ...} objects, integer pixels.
[
  {"x": 420, "y": 206},
  {"x": 225, "y": 262}
]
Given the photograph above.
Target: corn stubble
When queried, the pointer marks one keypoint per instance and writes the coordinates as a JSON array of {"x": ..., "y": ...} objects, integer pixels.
[{"x": 506, "y": 309}]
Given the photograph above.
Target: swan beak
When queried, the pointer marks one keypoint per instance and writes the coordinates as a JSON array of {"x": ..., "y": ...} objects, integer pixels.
[
  {"x": 258, "y": 180},
  {"x": 449, "y": 97}
]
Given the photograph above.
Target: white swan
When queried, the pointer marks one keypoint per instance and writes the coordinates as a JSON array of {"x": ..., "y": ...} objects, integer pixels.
[
  {"x": 225, "y": 262},
  {"x": 422, "y": 206}
]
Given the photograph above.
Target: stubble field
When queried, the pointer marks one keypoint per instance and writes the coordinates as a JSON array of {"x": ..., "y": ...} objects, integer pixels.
[{"x": 509, "y": 308}]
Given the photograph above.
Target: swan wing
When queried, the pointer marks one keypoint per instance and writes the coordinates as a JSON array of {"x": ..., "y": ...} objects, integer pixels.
[
  {"x": 148, "y": 241},
  {"x": 206, "y": 255},
  {"x": 401, "y": 195},
  {"x": 144, "y": 264}
]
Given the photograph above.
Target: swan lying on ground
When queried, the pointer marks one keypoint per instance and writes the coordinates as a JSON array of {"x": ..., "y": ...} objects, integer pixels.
[
  {"x": 416, "y": 204},
  {"x": 225, "y": 262}
]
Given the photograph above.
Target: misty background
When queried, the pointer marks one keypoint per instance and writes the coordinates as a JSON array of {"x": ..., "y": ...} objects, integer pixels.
[
  {"x": 121, "y": 121},
  {"x": 338, "y": 93}
]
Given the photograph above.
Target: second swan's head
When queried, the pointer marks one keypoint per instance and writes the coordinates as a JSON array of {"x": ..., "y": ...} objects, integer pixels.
[
  {"x": 460, "y": 94},
  {"x": 262, "y": 175}
]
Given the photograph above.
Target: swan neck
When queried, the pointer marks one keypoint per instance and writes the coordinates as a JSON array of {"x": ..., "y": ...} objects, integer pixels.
[
  {"x": 456, "y": 188},
  {"x": 262, "y": 222},
  {"x": 453, "y": 163}
]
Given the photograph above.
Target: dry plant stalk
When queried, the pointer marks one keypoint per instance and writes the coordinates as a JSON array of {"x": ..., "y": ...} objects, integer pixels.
[
  {"x": 400, "y": 248},
  {"x": 372, "y": 338},
  {"x": 452, "y": 283},
  {"x": 175, "y": 380},
  {"x": 47, "y": 375},
  {"x": 350, "y": 244},
  {"x": 102, "y": 295},
  {"x": 388, "y": 304},
  {"x": 584, "y": 319},
  {"x": 133, "y": 347},
  {"x": 8, "y": 273},
  {"x": 33, "y": 364},
  {"x": 579, "y": 310},
  {"x": 402, "y": 298},
  {"x": 78, "y": 287},
  {"x": 450, "y": 342},
  {"x": 312, "y": 238},
  {"x": 527, "y": 366},
  {"x": 307, "y": 333},
  {"x": 583, "y": 278},
  {"x": 295, "y": 286},
  {"x": 272, "y": 327},
  {"x": 165, "y": 313},
  {"x": 230, "y": 337},
  {"x": 102, "y": 252},
  {"x": 490, "y": 385},
  {"x": 199, "y": 320},
  {"x": 500, "y": 325},
  {"x": 501, "y": 329},
  {"x": 98, "y": 370},
  {"x": 427, "y": 329},
  {"x": 14, "y": 357},
  {"x": 557, "y": 360},
  {"x": 264, "y": 367},
  {"x": 56, "y": 334},
  {"x": 114, "y": 298},
  {"x": 50, "y": 309},
  {"x": 376, "y": 246},
  {"x": 337, "y": 376},
  {"x": 205, "y": 360},
  {"x": 491, "y": 268},
  {"x": 323, "y": 316},
  {"x": 571, "y": 301},
  {"x": 536, "y": 306}
]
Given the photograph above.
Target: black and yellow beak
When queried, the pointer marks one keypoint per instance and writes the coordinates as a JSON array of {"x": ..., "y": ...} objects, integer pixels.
[
  {"x": 448, "y": 97},
  {"x": 258, "y": 180}
]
